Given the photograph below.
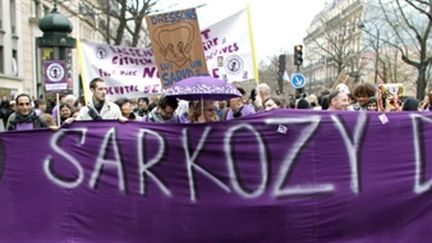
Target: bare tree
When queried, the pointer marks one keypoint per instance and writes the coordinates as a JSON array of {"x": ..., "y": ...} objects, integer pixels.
[
  {"x": 269, "y": 72},
  {"x": 124, "y": 20},
  {"x": 411, "y": 23},
  {"x": 337, "y": 42},
  {"x": 387, "y": 62}
]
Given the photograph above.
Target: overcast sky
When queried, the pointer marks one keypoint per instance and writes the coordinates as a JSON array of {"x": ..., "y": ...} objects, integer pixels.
[{"x": 277, "y": 25}]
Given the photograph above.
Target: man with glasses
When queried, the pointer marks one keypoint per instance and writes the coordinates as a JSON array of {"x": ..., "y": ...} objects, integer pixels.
[
  {"x": 25, "y": 117},
  {"x": 164, "y": 112}
]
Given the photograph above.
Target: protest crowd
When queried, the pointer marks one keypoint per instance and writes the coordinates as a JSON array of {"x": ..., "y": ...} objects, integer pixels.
[{"x": 24, "y": 112}]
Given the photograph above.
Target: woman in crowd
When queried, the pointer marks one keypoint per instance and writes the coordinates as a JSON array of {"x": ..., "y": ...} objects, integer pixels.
[
  {"x": 127, "y": 110},
  {"x": 65, "y": 112},
  {"x": 272, "y": 103},
  {"x": 202, "y": 112}
]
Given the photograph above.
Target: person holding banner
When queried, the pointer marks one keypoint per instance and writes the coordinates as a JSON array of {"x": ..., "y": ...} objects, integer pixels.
[
  {"x": 99, "y": 108},
  {"x": 338, "y": 101},
  {"x": 238, "y": 108},
  {"x": 263, "y": 93},
  {"x": 25, "y": 117}
]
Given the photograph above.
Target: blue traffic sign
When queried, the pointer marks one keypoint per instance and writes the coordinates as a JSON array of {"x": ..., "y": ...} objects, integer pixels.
[{"x": 297, "y": 80}]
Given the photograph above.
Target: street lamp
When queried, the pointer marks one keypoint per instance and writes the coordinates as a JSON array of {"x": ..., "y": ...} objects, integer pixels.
[{"x": 55, "y": 46}]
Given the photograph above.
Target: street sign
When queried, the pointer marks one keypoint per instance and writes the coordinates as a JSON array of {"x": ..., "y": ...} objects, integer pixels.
[{"x": 297, "y": 80}]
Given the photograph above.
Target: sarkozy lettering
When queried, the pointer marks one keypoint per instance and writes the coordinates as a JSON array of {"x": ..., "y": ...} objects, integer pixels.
[{"x": 239, "y": 159}]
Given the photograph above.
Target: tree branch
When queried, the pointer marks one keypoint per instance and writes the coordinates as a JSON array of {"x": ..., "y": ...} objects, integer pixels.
[{"x": 421, "y": 10}]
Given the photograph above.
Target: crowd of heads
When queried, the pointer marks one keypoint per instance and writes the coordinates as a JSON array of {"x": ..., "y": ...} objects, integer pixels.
[{"x": 168, "y": 109}]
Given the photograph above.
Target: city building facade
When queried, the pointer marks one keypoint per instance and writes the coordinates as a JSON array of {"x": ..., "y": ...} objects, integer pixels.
[
  {"x": 20, "y": 57},
  {"x": 340, "y": 44}
]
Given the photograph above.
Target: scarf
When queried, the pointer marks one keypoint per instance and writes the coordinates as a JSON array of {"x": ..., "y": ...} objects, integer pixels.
[{"x": 19, "y": 118}]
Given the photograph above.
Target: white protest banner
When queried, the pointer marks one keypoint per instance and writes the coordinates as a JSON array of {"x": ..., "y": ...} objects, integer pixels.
[
  {"x": 132, "y": 72},
  {"x": 228, "y": 48},
  {"x": 128, "y": 72}
]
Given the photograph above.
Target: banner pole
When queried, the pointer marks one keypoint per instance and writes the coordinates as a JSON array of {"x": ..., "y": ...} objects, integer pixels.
[
  {"x": 254, "y": 59},
  {"x": 58, "y": 108},
  {"x": 202, "y": 106},
  {"x": 82, "y": 64}
]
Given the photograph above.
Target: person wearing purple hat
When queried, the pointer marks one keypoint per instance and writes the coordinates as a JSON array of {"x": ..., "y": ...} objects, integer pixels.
[{"x": 237, "y": 108}]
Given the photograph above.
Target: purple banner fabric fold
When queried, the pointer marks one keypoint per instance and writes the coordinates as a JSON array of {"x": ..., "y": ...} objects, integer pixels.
[{"x": 280, "y": 176}]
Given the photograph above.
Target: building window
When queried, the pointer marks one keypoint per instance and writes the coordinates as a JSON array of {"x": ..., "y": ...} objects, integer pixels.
[
  {"x": 13, "y": 16},
  {"x": 1, "y": 59},
  {"x": 15, "y": 70},
  {"x": 1, "y": 15},
  {"x": 36, "y": 9},
  {"x": 46, "y": 10}
]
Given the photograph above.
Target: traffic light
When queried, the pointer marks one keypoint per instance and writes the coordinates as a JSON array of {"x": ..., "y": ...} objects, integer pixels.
[{"x": 298, "y": 55}]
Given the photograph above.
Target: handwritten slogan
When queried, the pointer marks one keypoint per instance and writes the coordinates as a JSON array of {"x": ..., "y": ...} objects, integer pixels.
[
  {"x": 128, "y": 71},
  {"x": 132, "y": 72},
  {"x": 176, "y": 41},
  {"x": 235, "y": 181},
  {"x": 228, "y": 48}
]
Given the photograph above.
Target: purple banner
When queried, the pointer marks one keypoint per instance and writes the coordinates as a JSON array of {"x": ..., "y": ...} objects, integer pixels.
[{"x": 280, "y": 176}]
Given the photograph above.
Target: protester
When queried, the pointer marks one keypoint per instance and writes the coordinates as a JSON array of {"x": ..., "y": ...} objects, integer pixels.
[
  {"x": 164, "y": 112},
  {"x": 427, "y": 102},
  {"x": 302, "y": 103},
  {"x": 253, "y": 100},
  {"x": 272, "y": 103},
  {"x": 237, "y": 108},
  {"x": 362, "y": 93},
  {"x": 313, "y": 102},
  {"x": 40, "y": 106},
  {"x": 99, "y": 108},
  {"x": 143, "y": 107},
  {"x": 24, "y": 118},
  {"x": 71, "y": 100},
  {"x": 202, "y": 112},
  {"x": 338, "y": 101},
  {"x": 7, "y": 108},
  {"x": 49, "y": 120},
  {"x": 222, "y": 109},
  {"x": 55, "y": 109},
  {"x": 410, "y": 104},
  {"x": 153, "y": 102},
  {"x": 263, "y": 93},
  {"x": 126, "y": 109},
  {"x": 372, "y": 104},
  {"x": 182, "y": 111},
  {"x": 323, "y": 99},
  {"x": 393, "y": 104},
  {"x": 65, "y": 112},
  {"x": 75, "y": 113}
]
